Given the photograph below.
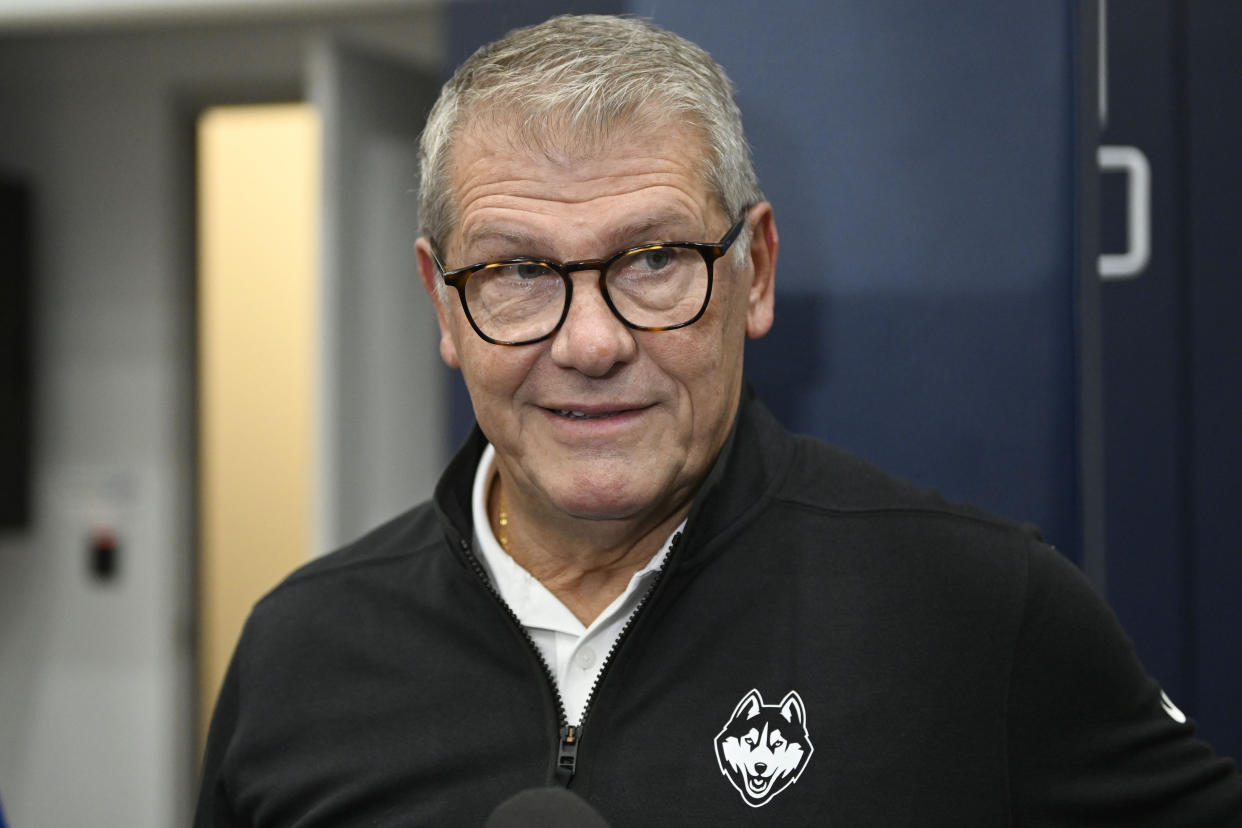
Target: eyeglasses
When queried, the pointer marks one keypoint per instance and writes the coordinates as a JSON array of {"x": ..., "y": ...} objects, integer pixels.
[{"x": 653, "y": 287}]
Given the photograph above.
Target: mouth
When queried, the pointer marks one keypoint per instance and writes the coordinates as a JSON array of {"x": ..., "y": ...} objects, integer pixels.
[
  {"x": 757, "y": 785},
  {"x": 598, "y": 412},
  {"x": 583, "y": 415}
]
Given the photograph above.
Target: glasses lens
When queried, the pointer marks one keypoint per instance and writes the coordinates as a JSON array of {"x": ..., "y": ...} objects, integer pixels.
[
  {"x": 658, "y": 286},
  {"x": 516, "y": 302}
]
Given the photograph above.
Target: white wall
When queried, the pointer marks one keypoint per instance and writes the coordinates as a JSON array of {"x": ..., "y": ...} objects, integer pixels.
[
  {"x": 95, "y": 681},
  {"x": 380, "y": 445}
]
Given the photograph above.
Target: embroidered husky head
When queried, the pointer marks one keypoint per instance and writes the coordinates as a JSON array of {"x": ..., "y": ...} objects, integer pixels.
[{"x": 764, "y": 748}]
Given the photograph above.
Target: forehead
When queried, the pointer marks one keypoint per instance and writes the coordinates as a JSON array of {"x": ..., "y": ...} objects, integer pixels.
[{"x": 628, "y": 177}]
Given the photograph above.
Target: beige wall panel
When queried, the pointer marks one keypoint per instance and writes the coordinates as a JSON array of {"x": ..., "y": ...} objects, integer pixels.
[{"x": 258, "y": 242}]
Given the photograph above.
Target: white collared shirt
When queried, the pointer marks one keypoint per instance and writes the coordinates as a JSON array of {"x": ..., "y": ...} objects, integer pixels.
[{"x": 574, "y": 652}]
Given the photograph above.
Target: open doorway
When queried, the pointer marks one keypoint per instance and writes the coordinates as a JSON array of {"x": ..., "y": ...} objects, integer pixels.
[{"x": 258, "y": 222}]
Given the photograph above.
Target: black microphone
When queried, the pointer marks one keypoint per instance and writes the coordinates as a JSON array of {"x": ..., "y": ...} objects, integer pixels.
[{"x": 545, "y": 808}]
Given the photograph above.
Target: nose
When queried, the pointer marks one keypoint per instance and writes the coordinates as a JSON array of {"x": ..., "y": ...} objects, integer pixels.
[{"x": 592, "y": 340}]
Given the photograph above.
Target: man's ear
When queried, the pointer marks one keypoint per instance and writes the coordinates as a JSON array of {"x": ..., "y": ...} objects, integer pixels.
[
  {"x": 764, "y": 243},
  {"x": 431, "y": 281}
]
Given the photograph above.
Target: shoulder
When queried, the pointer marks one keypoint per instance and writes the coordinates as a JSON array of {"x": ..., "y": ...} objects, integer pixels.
[
  {"x": 890, "y": 521},
  {"x": 825, "y": 477},
  {"x": 835, "y": 518},
  {"x": 384, "y": 561},
  {"x": 842, "y": 517},
  {"x": 411, "y": 533},
  {"x": 800, "y": 471}
]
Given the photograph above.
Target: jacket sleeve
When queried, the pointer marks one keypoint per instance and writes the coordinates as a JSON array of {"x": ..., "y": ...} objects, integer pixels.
[
  {"x": 1092, "y": 738},
  {"x": 213, "y": 809}
]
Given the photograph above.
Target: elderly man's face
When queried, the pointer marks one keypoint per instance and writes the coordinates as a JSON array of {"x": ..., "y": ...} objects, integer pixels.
[{"x": 660, "y": 403}]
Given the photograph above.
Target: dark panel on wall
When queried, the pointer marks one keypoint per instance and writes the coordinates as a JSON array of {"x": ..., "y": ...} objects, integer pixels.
[
  {"x": 1172, "y": 348},
  {"x": 1213, "y": 218},
  {"x": 16, "y": 397},
  {"x": 1143, "y": 324}
]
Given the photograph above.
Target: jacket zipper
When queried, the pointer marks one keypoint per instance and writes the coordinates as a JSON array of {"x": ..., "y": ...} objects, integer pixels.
[
  {"x": 477, "y": 566},
  {"x": 575, "y": 734},
  {"x": 570, "y": 735}
]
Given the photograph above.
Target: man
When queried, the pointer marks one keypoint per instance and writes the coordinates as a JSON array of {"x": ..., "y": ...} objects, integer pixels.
[{"x": 632, "y": 581}]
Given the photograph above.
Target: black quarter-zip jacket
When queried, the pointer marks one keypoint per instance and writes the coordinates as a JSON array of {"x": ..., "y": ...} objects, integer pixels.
[{"x": 826, "y": 646}]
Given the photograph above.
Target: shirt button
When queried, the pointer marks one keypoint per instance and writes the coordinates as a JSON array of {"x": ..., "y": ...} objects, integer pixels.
[{"x": 585, "y": 657}]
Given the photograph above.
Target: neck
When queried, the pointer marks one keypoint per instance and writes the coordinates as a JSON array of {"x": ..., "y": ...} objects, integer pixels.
[{"x": 586, "y": 564}]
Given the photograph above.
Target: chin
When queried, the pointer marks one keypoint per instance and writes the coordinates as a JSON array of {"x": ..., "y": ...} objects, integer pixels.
[
  {"x": 601, "y": 499},
  {"x": 600, "y": 508}
]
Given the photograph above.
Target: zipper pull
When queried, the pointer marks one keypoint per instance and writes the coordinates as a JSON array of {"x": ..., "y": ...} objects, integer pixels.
[{"x": 567, "y": 756}]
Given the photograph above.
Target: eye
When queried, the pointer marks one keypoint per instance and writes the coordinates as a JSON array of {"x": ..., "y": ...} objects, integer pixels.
[
  {"x": 656, "y": 259},
  {"x": 778, "y": 743},
  {"x": 749, "y": 740},
  {"x": 530, "y": 270}
]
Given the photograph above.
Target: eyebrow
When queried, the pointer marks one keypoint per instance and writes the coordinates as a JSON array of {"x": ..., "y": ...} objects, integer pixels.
[
  {"x": 623, "y": 236},
  {"x": 638, "y": 232}
]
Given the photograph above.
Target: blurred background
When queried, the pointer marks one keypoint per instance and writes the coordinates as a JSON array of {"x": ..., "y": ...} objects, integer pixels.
[{"x": 1009, "y": 271}]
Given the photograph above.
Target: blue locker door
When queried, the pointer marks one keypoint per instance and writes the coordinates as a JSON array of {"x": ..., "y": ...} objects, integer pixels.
[{"x": 920, "y": 159}]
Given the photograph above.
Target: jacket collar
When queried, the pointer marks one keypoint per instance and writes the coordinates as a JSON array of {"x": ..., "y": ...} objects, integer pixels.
[{"x": 751, "y": 462}]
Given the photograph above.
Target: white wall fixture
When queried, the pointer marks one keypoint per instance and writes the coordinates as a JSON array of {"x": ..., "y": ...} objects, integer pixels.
[{"x": 1132, "y": 162}]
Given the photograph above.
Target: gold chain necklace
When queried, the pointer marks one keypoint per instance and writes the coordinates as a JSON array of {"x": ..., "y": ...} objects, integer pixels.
[{"x": 503, "y": 519}]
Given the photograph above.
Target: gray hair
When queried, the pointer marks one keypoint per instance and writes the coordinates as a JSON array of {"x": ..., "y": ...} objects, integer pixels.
[{"x": 568, "y": 84}]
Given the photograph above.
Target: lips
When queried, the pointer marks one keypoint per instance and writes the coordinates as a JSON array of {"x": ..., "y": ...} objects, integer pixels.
[
  {"x": 582, "y": 415},
  {"x": 593, "y": 412}
]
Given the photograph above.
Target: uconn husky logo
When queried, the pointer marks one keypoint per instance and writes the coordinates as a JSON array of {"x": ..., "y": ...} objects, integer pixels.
[{"x": 764, "y": 748}]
